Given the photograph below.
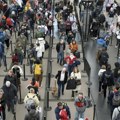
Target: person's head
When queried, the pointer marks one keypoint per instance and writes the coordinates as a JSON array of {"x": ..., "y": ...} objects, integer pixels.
[
  {"x": 10, "y": 72},
  {"x": 73, "y": 41},
  {"x": 1, "y": 93},
  {"x": 33, "y": 106},
  {"x": 64, "y": 69},
  {"x": 75, "y": 70},
  {"x": 37, "y": 62},
  {"x": 32, "y": 45},
  {"x": 38, "y": 44},
  {"x": 32, "y": 90},
  {"x": 61, "y": 41},
  {"x": 7, "y": 83},
  {"x": 80, "y": 96},
  {"x": 108, "y": 67},
  {"x": 103, "y": 67},
  {"x": 60, "y": 105},
  {"x": 117, "y": 64}
]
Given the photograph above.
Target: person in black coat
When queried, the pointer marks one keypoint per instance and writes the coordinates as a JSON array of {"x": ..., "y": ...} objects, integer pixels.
[
  {"x": 61, "y": 77},
  {"x": 60, "y": 47},
  {"x": 107, "y": 80},
  {"x": 10, "y": 93},
  {"x": 2, "y": 104}
]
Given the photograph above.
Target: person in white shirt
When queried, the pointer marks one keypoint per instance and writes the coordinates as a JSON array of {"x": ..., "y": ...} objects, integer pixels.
[
  {"x": 76, "y": 74},
  {"x": 61, "y": 77},
  {"x": 39, "y": 51},
  {"x": 101, "y": 71},
  {"x": 116, "y": 112}
]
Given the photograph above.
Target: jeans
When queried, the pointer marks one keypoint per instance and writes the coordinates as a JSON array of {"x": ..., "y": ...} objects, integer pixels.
[
  {"x": 79, "y": 115},
  {"x": 2, "y": 57},
  {"x": 60, "y": 57},
  {"x": 10, "y": 105},
  {"x": 20, "y": 57},
  {"x": 60, "y": 85}
]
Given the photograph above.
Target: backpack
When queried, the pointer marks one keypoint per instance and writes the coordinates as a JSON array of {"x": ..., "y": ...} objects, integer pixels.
[
  {"x": 103, "y": 58},
  {"x": 37, "y": 69},
  {"x": 29, "y": 102},
  {"x": 42, "y": 30},
  {"x": 106, "y": 78},
  {"x": 116, "y": 100},
  {"x": 118, "y": 116},
  {"x": 50, "y": 23},
  {"x": 63, "y": 114},
  {"x": 14, "y": 58}
]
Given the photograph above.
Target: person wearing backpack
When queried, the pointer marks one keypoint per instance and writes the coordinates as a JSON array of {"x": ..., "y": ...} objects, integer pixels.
[
  {"x": 116, "y": 114},
  {"x": 37, "y": 70},
  {"x": 103, "y": 58},
  {"x": 62, "y": 112},
  {"x": 31, "y": 98},
  {"x": 107, "y": 80}
]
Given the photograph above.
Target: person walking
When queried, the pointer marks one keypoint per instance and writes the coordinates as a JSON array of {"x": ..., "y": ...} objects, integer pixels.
[
  {"x": 116, "y": 114},
  {"x": 100, "y": 73},
  {"x": 61, "y": 77},
  {"x": 76, "y": 74},
  {"x": 60, "y": 47},
  {"x": 80, "y": 105},
  {"x": 107, "y": 80},
  {"x": 62, "y": 112},
  {"x": 10, "y": 92}
]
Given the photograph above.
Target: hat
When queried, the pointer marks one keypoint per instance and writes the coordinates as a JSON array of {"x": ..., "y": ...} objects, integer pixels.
[{"x": 7, "y": 83}]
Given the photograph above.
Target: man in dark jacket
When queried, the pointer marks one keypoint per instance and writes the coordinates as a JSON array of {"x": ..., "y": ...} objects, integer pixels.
[
  {"x": 60, "y": 47},
  {"x": 60, "y": 107},
  {"x": 10, "y": 77},
  {"x": 107, "y": 80},
  {"x": 61, "y": 77},
  {"x": 10, "y": 92}
]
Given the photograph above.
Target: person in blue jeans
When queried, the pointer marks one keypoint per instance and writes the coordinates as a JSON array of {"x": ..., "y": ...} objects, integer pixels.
[
  {"x": 80, "y": 105},
  {"x": 60, "y": 47},
  {"x": 61, "y": 77},
  {"x": 2, "y": 56}
]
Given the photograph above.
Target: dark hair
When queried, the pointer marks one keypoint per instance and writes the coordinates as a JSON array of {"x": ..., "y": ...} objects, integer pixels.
[{"x": 59, "y": 104}]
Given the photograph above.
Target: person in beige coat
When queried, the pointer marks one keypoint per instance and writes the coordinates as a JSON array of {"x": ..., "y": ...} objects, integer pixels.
[
  {"x": 33, "y": 96},
  {"x": 77, "y": 75}
]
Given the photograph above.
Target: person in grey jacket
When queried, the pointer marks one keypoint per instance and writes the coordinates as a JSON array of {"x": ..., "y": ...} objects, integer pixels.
[
  {"x": 116, "y": 112},
  {"x": 32, "y": 114},
  {"x": 81, "y": 105}
]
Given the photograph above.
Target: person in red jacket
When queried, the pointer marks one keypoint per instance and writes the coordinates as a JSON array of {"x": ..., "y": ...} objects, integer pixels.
[{"x": 70, "y": 59}]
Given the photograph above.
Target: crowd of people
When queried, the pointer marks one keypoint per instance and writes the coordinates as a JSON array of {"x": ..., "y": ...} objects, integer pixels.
[{"x": 37, "y": 17}]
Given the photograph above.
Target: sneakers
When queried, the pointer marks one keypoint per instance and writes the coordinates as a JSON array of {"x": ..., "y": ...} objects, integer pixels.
[{"x": 116, "y": 46}]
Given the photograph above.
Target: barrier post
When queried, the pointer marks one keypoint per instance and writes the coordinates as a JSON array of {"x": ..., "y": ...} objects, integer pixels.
[
  {"x": 24, "y": 72},
  {"x": 20, "y": 101},
  {"x": 11, "y": 47},
  {"x": 5, "y": 63}
]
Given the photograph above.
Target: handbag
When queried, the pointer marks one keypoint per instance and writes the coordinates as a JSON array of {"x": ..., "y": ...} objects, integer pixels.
[
  {"x": 71, "y": 84},
  {"x": 78, "y": 82}
]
